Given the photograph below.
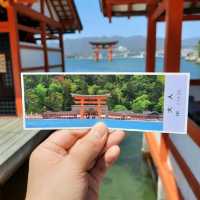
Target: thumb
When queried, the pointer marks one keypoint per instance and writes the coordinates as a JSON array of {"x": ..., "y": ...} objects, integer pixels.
[{"x": 86, "y": 150}]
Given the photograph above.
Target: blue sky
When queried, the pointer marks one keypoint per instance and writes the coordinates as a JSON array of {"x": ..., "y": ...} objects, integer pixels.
[{"x": 95, "y": 24}]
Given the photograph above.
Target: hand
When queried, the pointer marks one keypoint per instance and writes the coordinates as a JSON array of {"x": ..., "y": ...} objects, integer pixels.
[{"x": 71, "y": 165}]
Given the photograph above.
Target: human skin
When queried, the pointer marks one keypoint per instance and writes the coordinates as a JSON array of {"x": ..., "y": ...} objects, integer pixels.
[{"x": 70, "y": 165}]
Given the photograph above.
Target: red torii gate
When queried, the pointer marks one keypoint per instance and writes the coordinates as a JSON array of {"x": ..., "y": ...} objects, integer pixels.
[
  {"x": 97, "y": 46},
  {"x": 85, "y": 100}
]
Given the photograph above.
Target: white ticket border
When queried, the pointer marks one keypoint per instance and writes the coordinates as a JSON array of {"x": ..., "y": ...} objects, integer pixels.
[{"x": 109, "y": 73}]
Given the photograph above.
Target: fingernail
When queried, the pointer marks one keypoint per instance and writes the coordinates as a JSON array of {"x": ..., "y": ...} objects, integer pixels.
[{"x": 98, "y": 131}]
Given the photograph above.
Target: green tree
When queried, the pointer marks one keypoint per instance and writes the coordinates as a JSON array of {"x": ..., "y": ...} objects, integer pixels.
[
  {"x": 140, "y": 104},
  {"x": 54, "y": 101},
  {"x": 67, "y": 98},
  {"x": 119, "y": 108},
  {"x": 160, "y": 105},
  {"x": 93, "y": 89},
  {"x": 32, "y": 102}
]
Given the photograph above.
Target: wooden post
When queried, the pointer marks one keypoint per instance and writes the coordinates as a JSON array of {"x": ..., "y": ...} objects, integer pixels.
[
  {"x": 151, "y": 42},
  {"x": 164, "y": 147},
  {"x": 62, "y": 51},
  {"x": 43, "y": 38},
  {"x": 174, "y": 17},
  {"x": 172, "y": 56},
  {"x": 15, "y": 56},
  {"x": 44, "y": 44}
]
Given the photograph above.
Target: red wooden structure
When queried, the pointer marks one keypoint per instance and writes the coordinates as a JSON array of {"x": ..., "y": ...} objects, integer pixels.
[
  {"x": 97, "y": 46},
  {"x": 87, "y": 100},
  {"x": 25, "y": 28},
  {"x": 173, "y": 13}
]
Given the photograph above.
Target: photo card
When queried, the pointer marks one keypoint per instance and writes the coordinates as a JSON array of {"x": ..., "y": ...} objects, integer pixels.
[{"x": 145, "y": 102}]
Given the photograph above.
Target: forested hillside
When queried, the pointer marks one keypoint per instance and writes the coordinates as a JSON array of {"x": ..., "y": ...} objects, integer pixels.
[{"x": 137, "y": 93}]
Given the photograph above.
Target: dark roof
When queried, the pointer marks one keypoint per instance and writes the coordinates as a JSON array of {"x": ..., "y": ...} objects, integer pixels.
[{"x": 68, "y": 15}]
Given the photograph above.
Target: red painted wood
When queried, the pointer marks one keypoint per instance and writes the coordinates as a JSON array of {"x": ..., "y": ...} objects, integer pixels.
[
  {"x": 195, "y": 82},
  {"x": 4, "y": 27},
  {"x": 173, "y": 35},
  {"x": 191, "y": 179},
  {"x": 165, "y": 173},
  {"x": 159, "y": 10},
  {"x": 151, "y": 41},
  {"x": 15, "y": 57},
  {"x": 30, "y": 69},
  {"x": 28, "y": 29},
  {"x": 194, "y": 131},
  {"x": 24, "y": 10}
]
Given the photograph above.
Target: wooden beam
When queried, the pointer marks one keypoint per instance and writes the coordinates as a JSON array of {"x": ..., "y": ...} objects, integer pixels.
[
  {"x": 191, "y": 18},
  {"x": 39, "y": 68},
  {"x": 43, "y": 38},
  {"x": 167, "y": 177},
  {"x": 173, "y": 35},
  {"x": 25, "y": 46},
  {"x": 193, "y": 131},
  {"x": 195, "y": 82},
  {"x": 193, "y": 10},
  {"x": 185, "y": 169},
  {"x": 164, "y": 147},
  {"x": 4, "y": 27},
  {"x": 125, "y": 14},
  {"x": 109, "y": 11},
  {"x": 68, "y": 22},
  {"x": 48, "y": 38},
  {"x": 26, "y": 11},
  {"x": 54, "y": 49},
  {"x": 63, "y": 10},
  {"x": 25, "y": 1},
  {"x": 151, "y": 41},
  {"x": 185, "y": 18},
  {"x": 62, "y": 51},
  {"x": 28, "y": 29},
  {"x": 159, "y": 10},
  {"x": 49, "y": 8},
  {"x": 44, "y": 44},
  {"x": 15, "y": 56},
  {"x": 74, "y": 13}
]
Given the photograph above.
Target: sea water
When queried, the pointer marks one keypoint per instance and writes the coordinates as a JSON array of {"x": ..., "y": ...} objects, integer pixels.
[{"x": 125, "y": 65}]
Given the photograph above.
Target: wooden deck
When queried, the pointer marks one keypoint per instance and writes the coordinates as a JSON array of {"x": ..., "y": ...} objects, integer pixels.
[{"x": 15, "y": 145}]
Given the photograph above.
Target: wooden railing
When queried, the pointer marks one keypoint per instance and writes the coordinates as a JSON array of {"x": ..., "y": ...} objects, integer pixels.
[{"x": 32, "y": 57}]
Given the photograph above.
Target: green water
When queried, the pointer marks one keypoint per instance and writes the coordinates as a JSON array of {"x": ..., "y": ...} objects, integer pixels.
[{"x": 129, "y": 179}]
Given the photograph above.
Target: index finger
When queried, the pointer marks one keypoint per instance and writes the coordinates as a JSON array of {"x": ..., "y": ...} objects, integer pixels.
[{"x": 64, "y": 138}]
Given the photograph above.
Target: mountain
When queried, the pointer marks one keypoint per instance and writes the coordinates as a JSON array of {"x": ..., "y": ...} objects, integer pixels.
[{"x": 81, "y": 46}]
